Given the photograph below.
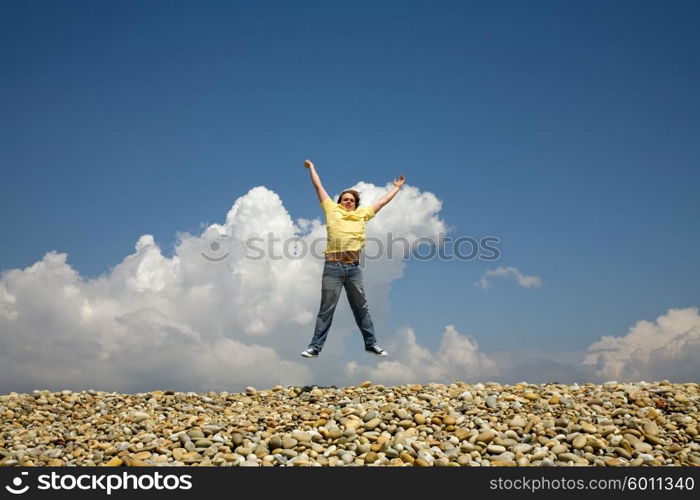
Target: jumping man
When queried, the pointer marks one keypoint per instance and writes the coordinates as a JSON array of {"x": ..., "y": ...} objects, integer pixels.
[{"x": 346, "y": 237}]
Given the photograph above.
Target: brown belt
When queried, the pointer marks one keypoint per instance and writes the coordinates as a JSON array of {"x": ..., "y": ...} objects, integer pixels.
[{"x": 349, "y": 256}]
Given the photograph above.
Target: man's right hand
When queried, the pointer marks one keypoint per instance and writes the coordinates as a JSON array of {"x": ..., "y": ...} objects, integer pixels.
[{"x": 308, "y": 164}]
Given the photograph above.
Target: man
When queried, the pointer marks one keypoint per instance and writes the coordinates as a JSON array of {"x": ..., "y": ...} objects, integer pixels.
[{"x": 345, "y": 221}]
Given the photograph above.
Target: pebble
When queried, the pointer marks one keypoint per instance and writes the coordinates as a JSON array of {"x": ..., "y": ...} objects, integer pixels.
[
  {"x": 195, "y": 434},
  {"x": 559, "y": 449},
  {"x": 518, "y": 421},
  {"x": 651, "y": 428},
  {"x": 372, "y": 424},
  {"x": 589, "y": 428},
  {"x": 643, "y": 447},
  {"x": 138, "y": 417},
  {"x": 579, "y": 442},
  {"x": 275, "y": 442},
  {"x": 301, "y": 436},
  {"x": 571, "y": 457},
  {"x": 613, "y": 462},
  {"x": 522, "y": 448},
  {"x": 486, "y": 436}
]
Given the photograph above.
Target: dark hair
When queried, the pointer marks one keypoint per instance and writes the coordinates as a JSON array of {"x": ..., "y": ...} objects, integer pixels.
[{"x": 354, "y": 193}]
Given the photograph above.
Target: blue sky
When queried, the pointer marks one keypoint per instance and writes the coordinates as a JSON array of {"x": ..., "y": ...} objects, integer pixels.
[{"x": 566, "y": 129}]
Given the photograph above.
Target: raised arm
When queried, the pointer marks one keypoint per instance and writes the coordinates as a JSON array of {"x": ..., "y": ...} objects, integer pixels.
[
  {"x": 390, "y": 195},
  {"x": 316, "y": 180}
]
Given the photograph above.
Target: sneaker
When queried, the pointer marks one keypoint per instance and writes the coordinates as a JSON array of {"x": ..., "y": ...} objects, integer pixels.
[
  {"x": 310, "y": 353},
  {"x": 377, "y": 351}
]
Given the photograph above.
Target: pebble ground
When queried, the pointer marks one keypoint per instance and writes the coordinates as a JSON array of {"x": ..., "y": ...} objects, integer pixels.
[{"x": 460, "y": 424}]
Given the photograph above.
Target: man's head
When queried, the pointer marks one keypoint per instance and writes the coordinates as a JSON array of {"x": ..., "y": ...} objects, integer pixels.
[{"x": 349, "y": 199}]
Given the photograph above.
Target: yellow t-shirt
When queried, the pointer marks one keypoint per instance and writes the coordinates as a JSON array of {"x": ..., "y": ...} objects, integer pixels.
[{"x": 346, "y": 229}]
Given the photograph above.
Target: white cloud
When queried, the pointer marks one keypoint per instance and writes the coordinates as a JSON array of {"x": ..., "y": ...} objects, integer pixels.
[
  {"x": 458, "y": 358},
  {"x": 223, "y": 322},
  {"x": 508, "y": 273},
  {"x": 188, "y": 322},
  {"x": 666, "y": 349}
]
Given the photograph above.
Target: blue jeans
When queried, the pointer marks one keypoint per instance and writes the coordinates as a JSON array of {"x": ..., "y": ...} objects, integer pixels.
[{"x": 337, "y": 275}]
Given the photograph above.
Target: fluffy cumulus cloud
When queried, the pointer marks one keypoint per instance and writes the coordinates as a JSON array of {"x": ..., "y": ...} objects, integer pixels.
[
  {"x": 668, "y": 348},
  {"x": 232, "y": 307},
  {"x": 235, "y": 304},
  {"x": 665, "y": 349},
  {"x": 458, "y": 358},
  {"x": 508, "y": 273}
]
